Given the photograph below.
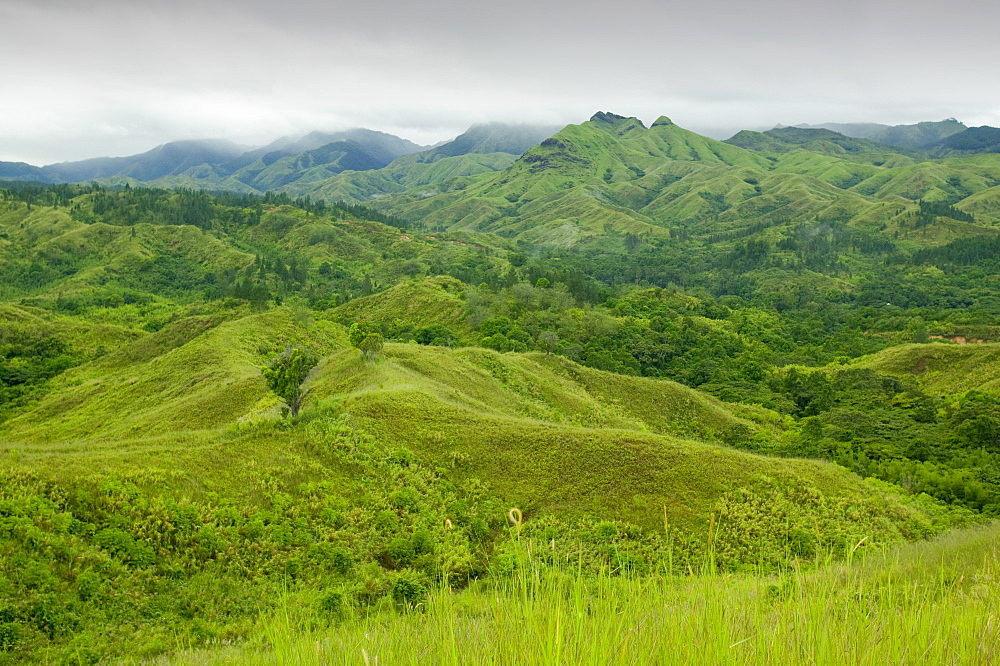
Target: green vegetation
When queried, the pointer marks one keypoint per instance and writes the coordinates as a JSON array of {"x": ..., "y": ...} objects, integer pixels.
[
  {"x": 286, "y": 374},
  {"x": 930, "y": 603},
  {"x": 633, "y": 373}
]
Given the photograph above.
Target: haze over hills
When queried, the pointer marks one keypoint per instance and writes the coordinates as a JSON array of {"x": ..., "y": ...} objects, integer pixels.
[
  {"x": 166, "y": 160},
  {"x": 944, "y": 138},
  {"x": 315, "y": 156},
  {"x": 488, "y": 138}
]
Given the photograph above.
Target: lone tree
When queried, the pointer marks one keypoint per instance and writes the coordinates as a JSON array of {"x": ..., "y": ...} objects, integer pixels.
[
  {"x": 371, "y": 345},
  {"x": 366, "y": 337},
  {"x": 285, "y": 374}
]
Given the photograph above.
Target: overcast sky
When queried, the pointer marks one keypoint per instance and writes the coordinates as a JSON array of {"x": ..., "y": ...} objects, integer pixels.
[{"x": 110, "y": 77}]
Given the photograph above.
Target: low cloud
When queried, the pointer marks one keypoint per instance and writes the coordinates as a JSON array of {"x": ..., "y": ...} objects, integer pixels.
[{"x": 114, "y": 78}]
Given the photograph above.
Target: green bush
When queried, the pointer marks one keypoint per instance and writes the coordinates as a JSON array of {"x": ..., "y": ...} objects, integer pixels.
[
  {"x": 409, "y": 589},
  {"x": 10, "y": 635},
  {"x": 333, "y": 604}
]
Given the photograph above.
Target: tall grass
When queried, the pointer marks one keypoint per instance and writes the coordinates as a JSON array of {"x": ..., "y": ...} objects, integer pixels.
[{"x": 929, "y": 603}]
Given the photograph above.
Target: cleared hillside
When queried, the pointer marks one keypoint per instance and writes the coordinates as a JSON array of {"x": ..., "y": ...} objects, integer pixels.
[
  {"x": 542, "y": 432},
  {"x": 945, "y": 369}
]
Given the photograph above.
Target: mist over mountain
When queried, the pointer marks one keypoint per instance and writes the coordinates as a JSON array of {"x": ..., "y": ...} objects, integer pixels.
[
  {"x": 921, "y": 136},
  {"x": 167, "y": 160},
  {"x": 489, "y": 138},
  {"x": 300, "y": 163},
  {"x": 784, "y": 139},
  {"x": 216, "y": 159},
  {"x": 379, "y": 146}
]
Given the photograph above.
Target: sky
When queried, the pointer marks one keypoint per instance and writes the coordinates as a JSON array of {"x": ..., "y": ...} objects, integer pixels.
[{"x": 113, "y": 77}]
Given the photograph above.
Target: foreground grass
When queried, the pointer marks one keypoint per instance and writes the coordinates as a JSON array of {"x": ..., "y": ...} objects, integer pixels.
[{"x": 928, "y": 603}]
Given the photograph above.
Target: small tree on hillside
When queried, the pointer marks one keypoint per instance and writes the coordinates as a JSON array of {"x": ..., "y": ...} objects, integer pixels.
[
  {"x": 548, "y": 341},
  {"x": 359, "y": 330},
  {"x": 286, "y": 374},
  {"x": 371, "y": 345},
  {"x": 366, "y": 337}
]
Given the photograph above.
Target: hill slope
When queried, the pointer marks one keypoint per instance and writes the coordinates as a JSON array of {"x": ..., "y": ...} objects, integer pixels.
[
  {"x": 542, "y": 432},
  {"x": 942, "y": 369}
]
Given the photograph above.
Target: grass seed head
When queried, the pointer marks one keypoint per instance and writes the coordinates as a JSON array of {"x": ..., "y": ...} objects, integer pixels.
[{"x": 515, "y": 517}]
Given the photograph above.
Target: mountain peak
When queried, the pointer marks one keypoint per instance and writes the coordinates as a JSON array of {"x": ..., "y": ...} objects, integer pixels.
[
  {"x": 662, "y": 120},
  {"x": 607, "y": 117},
  {"x": 615, "y": 124}
]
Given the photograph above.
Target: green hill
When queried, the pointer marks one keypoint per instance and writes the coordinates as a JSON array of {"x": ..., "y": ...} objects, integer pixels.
[
  {"x": 197, "y": 373},
  {"x": 551, "y": 437},
  {"x": 785, "y": 139},
  {"x": 973, "y": 140},
  {"x": 591, "y": 184},
  {"x": 135, "y": 255},
  {"x": 941, "y": 368},
  {"x": 403, "y": 174},
  {"x": 664, "y": 377},
  {"x": 164, "y": 469},
  {"x": 541, "y": 432},
  {"x": 436, "y": 300},
  {"x": 82, "y": 335}
]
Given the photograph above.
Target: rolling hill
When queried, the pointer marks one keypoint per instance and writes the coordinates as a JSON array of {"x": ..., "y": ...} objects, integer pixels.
[
  {"x": 543, "y": 433},
  {"x": 649, "y": 343},
  {"x": 941, "y": 368}
]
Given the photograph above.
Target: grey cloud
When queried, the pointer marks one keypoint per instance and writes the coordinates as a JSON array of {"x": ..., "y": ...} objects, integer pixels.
[{"x": 116, "y": 77}]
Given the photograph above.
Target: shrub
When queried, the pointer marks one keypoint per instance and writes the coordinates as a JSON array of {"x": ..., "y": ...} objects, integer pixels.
[
  {"x": 341, "y": 560},
  {"x": 332, "y": 604},
  {"x": 408, "y": 589},
  {"x": 10, "y": 635},
  {"x": 400, "y": 551}
]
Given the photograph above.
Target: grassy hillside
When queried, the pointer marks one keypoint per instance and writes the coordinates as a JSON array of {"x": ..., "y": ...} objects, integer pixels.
[
  {"x": 165, "y": 467},
  {"x": 944, "y": 369},
  {"x": 403, "y": 174},
  {"x": 590, "y": 185},
  {"x": 84, "y": 336},
  {"x": 856, "y": 612},
  {"x": 433, "y": 301},
  {"x": 661, "y": 379},
  {"x": 134, "y": 256},
  {"x": 196, "y": 373},
  {"x": 547, "y": 439},
  {"x": 541, "y": 432},
  {"x": 921, "y": 136},
  {"x": 611, "y": 188},
  {"x": 785, "y": 139},
  {"x": 644, "y": 341}
]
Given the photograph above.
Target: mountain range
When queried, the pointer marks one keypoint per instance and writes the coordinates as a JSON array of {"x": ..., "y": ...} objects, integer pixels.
[
  {"x": 224, "y": 165},
  {"x": 944, "y": 138},
  {"x": 310, "y": 164}
]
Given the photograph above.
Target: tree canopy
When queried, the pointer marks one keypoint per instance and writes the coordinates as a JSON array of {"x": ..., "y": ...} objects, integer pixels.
[{"x": 286, "y": 374}]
